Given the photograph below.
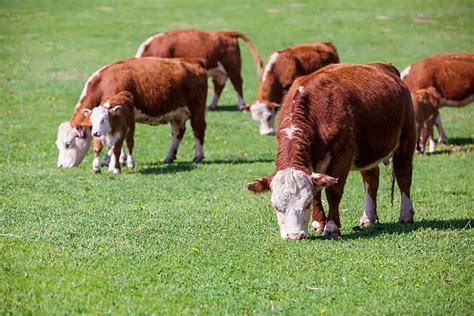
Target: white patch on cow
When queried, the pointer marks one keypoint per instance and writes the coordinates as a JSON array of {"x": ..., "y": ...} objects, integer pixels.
[
  {"x": 268, "y": 67},
  {"x": 100, "y": 122},
  {"x": 406, "y": 209},
  {"x": 130, "y": 162},
  {"x": 317, "y": 226},
  {"x": 106, "y": 105},
  {"x": 240, "y": 101},
  {"x": 84, "y": 90},
  {"x": 116, "y": 170},
  {"x": 375, "y": 163},
  {"x": 72, "y": 148},
  {"x": 199, "y": 150},
  {"x": 301, "y": 89},
  {"x": 123, "y": 155},
  {"x": 370, "y": 212},
  {"x": 322, "y": 165},
  {"x": 264, "y": 116},
  {"x": 213, "y": 104},
  {"x": 113, "y": 159},
  {"x": 292, "y": 194},
  {"x": 405, "y": 72},
  {"x": 145, "y": 44},
  {"x": 432, "y": 145},
  {"x": 453, "y": 103},
  {"x": 96, "y": 164},
  {"x": 175, "y": 141},
  {"x": 290, "y": 131},
  {"x": 181, "y": 113}
]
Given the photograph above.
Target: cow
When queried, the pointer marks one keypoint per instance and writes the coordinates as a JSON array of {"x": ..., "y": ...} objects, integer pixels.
[
  {"x": 452, "y": 75},
  {"x": 220, "y": 50},
  {"x": 343, "y": 117},
  {"x": 112, "y": 123},
  {"x": 164, "y": 91},
  {"x": 281, "y": 69}
]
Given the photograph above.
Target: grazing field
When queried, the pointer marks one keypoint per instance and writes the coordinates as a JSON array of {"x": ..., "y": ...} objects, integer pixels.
[{"x": 185, "y": 238}]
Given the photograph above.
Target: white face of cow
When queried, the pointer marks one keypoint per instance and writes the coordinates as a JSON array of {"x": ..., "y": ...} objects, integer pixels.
[
  {"x": 264, "y": 116},
  {"x": 72, "y": 144},
  {"x": 100, "y": 121},
  {"x": 292, "y": 194}
]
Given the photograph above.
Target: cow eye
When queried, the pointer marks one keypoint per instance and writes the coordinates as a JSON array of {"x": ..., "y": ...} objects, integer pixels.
[{"x": 278, "y": 209}]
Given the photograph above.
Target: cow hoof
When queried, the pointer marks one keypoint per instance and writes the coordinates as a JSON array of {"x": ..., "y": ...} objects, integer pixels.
[
  {"x": 366, "y": 221},
  {"x": 116, "y": 170},
  {"x": 317, "y": 227},
  {"x": 169, "y": 160},
  {"x": 130, "y": 162},
  {"x": 406, "y": 217},
  {"x": 198, "y": 159},
  {"x": 331, "y": 230},
  {"x": 405, "y": 221}
]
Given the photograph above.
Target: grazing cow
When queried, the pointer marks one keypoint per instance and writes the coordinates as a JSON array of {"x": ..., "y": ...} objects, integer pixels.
[
  {"x": 339, "y": 118},
  {"x": 219, "y": 49},
  {"x": 452, "y": 75},
  {"x": 164, "y": 91},
  {"x": 282, "y": 68},
  {"x": 112, "y": 123}
]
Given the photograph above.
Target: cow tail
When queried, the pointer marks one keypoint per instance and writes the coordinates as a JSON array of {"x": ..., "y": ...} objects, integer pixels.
[{"x": 253, "y": 49}]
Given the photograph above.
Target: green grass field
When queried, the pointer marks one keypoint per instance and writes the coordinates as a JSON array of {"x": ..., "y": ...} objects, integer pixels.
[{"x": 188, "y": 239}]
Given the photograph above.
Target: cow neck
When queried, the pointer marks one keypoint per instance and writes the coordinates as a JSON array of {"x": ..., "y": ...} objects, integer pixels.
[{"x": 270, "y": 90}]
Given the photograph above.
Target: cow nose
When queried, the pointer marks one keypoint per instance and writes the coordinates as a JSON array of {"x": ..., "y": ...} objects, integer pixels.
[
  {"x": 296, "y": 236},
  {"x": 60, "y": 165}
]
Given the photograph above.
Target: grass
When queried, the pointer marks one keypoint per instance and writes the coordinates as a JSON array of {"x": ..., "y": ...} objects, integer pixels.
[{"x": 185, "y": 238}]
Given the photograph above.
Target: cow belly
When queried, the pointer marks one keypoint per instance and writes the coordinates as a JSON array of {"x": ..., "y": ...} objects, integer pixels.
[
  {"x": 182, "y": 114},
  {"x": 458, "y": 104}
]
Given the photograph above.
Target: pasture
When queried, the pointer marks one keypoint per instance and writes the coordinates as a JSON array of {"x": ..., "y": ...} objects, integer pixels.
[{"x": 186, "y": 238}]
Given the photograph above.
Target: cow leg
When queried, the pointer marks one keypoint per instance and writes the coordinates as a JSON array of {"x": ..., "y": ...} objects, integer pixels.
[
  {"x": 123, "y": 156},
  {"x": 178, "y": 127},
  {"x": 334, "y": 195},
  {"x": 218, "y": 79},
  {"x": 107, "y": 157},
  {"x": 117, "y": 150},
  {"x": 130, "y": 143},
  {"x": 233, "y": 71},
  {"x": 96, "y": 164},
  {"x": 371, "y": 185},
  {"x": 428, "y": 132},
  {"x": 402, "y": 170},
  {"x": 442, "y": 139},
  {"x": 198, "y": 123},
  {"x": 318, "y": 216}
]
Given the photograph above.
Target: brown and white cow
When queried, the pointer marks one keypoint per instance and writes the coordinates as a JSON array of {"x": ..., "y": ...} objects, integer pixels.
[
  {"x": 113, "y": 123},
  {"x": 339, "y": 118},
  {"x": 164, "y": 91},
  {"x": 220, "y": 50},
  {"x": 452, "y": 75},
  {"x": 282, "y": 68}
]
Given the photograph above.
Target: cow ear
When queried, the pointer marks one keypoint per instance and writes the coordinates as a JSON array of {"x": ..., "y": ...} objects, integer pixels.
[
  {"x": 86, "y": 112},
  {"x": 321, "y": 180},
  {"x": 246, "y": 107},
  {"x": 127, "y": 97},
  {"x": 260, "y": 185},
  {"x": 116, "y": 109}
]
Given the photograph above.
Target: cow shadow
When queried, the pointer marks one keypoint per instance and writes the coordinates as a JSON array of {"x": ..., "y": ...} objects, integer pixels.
[
  {"x": 395, "y": 228},
  {"x": 226, "y": 108},
  {"x": 461, "y": 141},
  {"x": 183, "y": 166}
]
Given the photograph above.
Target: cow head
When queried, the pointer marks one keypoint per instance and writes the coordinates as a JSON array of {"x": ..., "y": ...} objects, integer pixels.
[
  {"x": 72, "y": 143},
  {"x": 292, "y": 195},
  {"x": 264, "y": 114}
]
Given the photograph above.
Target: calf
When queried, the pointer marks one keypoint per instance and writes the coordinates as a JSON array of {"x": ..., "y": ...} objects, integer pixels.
[
  {"x": 164, "y": 91},
  {"x": 339, "y": 118},
  {"x": 219, "y": 49},
  {"x": 112, "y": 123},
  {"x": 425, "y": 105},
  {"x": 452, "y": 75},
  {"x": 282, "y": 68}
]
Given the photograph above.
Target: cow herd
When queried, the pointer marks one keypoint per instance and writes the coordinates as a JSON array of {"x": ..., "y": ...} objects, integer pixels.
[{"x": 333, "y": 117}]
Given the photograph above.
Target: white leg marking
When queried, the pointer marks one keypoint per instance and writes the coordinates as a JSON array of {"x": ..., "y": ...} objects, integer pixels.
[
  {"x": 199, "y": 151},
  {"x": 123, "y": 156},
  {"x": 175, "y": 141},
  {"x": 116, "y": 170},
  {"x": 213, "y": 104},
  {"x": 112, "y": 163},
  {"x": 96, "y": 164},
  {"x": 406, "y": 210},
  {"x": 432, "y": 145},
  {"x": 370, "y": 212},
  {"x": 130, "y": 162},
  {"x": 317, "y": 227},
  {"x": 240, "y": 101}
]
